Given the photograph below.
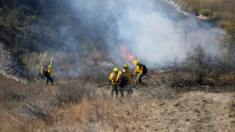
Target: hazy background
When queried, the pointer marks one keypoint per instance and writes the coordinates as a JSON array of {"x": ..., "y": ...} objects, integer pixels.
[
  {"x": 74, "y": 31},
  {"x": 151, "y": 30}
]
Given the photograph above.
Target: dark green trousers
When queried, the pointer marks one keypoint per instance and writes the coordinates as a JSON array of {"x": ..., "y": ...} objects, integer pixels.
[
  {"x": 138, "y": 80},
  {"x": 49, "y": 79},
  {"x": 127, "y": 89},
  {"x": 114, "y": 88}
]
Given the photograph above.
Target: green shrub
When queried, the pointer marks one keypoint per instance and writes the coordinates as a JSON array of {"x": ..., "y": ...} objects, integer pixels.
[
  {"x": 205, "y": 12},
  {"x": 193, "y": 8}
]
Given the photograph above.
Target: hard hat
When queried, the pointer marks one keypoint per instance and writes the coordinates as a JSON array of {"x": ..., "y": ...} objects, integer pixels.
[
  {"x": 42, "y": 67},
  {"x": 136, "y": 62},
  {"x": 115, "y": 69},
  {"x": 126, "y": 66},
  {"x": 51, "y": 58},
  {"x": 49, "y": 66}
]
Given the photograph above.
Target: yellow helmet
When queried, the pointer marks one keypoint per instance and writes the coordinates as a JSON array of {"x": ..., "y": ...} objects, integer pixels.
[
  {"x": 51, "y": 58},
  {"x": 49, "y": 66},
  {"x": 42, "y": 67},
  {"x": 115, "y": 69},
  {"x": 126, "y": 66},
  {"x": 136, "y": 62}
]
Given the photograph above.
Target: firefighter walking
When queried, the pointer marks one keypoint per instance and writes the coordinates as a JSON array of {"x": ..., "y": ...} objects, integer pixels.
[
  {"x": 124, "y": 81},
  {"x": 114, "y": 85}
]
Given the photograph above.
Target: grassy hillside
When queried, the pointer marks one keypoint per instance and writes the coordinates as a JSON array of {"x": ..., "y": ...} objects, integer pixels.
[
  {"x": 36, "y": 30},
  {"x": 222, "y": 10}
]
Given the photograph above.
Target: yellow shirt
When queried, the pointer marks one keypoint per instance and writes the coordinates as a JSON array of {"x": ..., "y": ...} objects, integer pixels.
[
  {"x": 41, "y": 72},
  {"x": 128, "y": 76},
  {"x": 113, "y": 78},
  {"x": 139, "y": 69},
  {"x": 49, "y": 71}
]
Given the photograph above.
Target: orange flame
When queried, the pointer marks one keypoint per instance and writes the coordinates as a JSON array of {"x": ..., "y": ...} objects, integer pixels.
[{"x": 128, "y": 57}]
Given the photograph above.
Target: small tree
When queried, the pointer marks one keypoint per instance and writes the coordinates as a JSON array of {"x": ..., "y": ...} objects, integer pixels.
[
  {"x": 174, "y": 72},
  {"x": 197, "y": 63}
]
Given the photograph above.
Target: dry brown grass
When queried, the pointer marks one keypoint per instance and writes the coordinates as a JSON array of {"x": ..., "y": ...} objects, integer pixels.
[
  {"x": 79, "y": 106},
  {"x": 71, "y": 107},
  {"x": 189, "y": 113}
]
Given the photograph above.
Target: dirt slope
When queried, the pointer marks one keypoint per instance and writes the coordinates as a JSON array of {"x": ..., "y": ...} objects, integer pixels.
[{"x": 196, "y": 111}]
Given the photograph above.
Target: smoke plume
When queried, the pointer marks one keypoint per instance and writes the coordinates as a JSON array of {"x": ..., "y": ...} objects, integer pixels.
[{"x": 145, "y": 28}]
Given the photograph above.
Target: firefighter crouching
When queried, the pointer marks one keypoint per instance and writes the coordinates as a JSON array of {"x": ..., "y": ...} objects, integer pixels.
[
  {"x": 114, "y": 85},
  {"x": 140, "y": 70},
  {"x": 124, "y": 81}
]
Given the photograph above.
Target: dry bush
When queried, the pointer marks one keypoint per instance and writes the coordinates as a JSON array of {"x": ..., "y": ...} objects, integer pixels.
[
  {"x": 157, "y": 90},
  {"x": 12, "y": 100},
  {"x": 197, "y": 63},
  {"x": 11, "y": 94},
  {"x": 71, "y": 94},
  {"x": 19, "y": 93},
  {"x": 40, "y": 106},
  {"x": 94, "y": 73},
  {"x": 14, "y": 122},
  {"x": 100, "y": 114},
  {"x": 180, "y": 76},
  {"x": 40, "y": 109}
]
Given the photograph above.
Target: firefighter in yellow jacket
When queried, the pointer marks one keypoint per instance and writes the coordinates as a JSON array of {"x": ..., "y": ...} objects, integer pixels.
[
  {"x": 113, "y": 79},
  {"x": 41, "y": 73},
  {"x": 49, "y": 75},
  {"x": 124, "y": 81},
  {"x": 139, "y": 72}
]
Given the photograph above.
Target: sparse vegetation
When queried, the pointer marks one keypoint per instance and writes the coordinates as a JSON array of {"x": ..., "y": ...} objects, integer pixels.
[{"x": 216, "y": 9}]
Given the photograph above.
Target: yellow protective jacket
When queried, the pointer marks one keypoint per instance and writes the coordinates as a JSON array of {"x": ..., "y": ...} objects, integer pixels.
[
  {"x": 41, "y": 72},
  {"x": 128, "y": 76},
  {"x": 49, "y": 71},
  {"x": 139, "y": 69},
  {"x": 113, "y": 78}
]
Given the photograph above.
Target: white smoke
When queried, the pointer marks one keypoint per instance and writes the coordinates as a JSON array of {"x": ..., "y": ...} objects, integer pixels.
[{"x": 145, "y": 28}]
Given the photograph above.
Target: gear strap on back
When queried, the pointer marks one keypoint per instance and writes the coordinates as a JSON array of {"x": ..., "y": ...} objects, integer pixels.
[{"x": 122, "y": 81}]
